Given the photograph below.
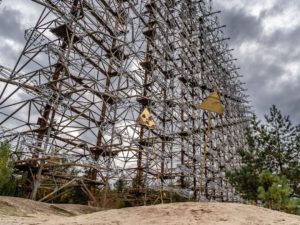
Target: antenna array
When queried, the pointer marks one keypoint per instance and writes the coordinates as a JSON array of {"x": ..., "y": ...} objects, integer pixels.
[{"x": 88, "y": 71}]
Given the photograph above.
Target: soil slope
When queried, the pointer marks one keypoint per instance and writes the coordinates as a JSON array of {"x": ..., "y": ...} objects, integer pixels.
[{"x": 21, "y": 211}]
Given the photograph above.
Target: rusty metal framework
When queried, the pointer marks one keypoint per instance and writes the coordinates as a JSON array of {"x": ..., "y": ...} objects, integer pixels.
[{"x": 88, "y": 70}]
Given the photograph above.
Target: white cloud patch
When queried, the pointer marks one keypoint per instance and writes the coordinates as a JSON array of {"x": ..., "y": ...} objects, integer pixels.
[{"x": 284, "y": 20}]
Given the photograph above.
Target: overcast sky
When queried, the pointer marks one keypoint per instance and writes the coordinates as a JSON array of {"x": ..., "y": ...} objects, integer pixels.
[
  {"x": 264, "y": 33},
  {"x": 266, "y": 38}
]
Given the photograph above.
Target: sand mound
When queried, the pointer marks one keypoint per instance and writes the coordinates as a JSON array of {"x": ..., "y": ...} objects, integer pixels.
[
  {"x": 175, "y": 214},
  {"x": 10, "y": 206}
]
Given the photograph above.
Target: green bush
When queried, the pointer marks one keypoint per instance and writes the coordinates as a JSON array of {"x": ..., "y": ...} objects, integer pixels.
[
  {"x": 275, "y": 191},
  {"x": 7, "y": 180},
  {"x": 294, "y": 206}
]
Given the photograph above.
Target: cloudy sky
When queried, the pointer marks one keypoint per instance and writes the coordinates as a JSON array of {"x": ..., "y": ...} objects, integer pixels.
[
  {"x": 265, "y": 35},
  {"x": 266, "y": 38}
]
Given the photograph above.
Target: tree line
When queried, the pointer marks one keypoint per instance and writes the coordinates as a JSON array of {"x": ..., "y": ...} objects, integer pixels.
[{"x": 269, "y": 172}]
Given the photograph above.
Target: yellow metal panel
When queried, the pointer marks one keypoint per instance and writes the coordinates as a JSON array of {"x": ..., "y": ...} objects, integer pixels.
[
  {"x": 146, "y": 119},
  {"x": 212, "y": 104}
]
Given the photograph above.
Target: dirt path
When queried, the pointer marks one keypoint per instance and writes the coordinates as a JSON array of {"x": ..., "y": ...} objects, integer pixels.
[{"x": 171, "y": 214}]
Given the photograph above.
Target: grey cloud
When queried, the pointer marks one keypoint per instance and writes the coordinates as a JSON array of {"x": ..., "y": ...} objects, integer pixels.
[
  {"x": 285, "y": 42},
  {"x": 240, "y": 25},
  {"x": 10, "y": 24}
]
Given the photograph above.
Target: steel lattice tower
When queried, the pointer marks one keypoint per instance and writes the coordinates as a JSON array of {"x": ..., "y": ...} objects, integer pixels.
[{"x": 89, "y": 69}]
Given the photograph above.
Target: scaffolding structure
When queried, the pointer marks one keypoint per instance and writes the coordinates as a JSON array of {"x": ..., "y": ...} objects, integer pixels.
[{"x": 91, "y": 67}]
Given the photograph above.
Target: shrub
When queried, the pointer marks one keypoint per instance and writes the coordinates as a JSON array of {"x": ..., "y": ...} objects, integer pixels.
[
  {"x": 274, "y": 191},
  {"x": 7, "y": 180}
]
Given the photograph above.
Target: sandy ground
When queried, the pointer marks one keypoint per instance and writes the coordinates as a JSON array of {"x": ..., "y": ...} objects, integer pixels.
[{"x": 21, "y": 211}]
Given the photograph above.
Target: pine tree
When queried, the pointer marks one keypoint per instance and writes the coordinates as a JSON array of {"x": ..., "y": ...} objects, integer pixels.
[
  {"x": 282, "y": 147},
  {"x": 246, "y": 178}
]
